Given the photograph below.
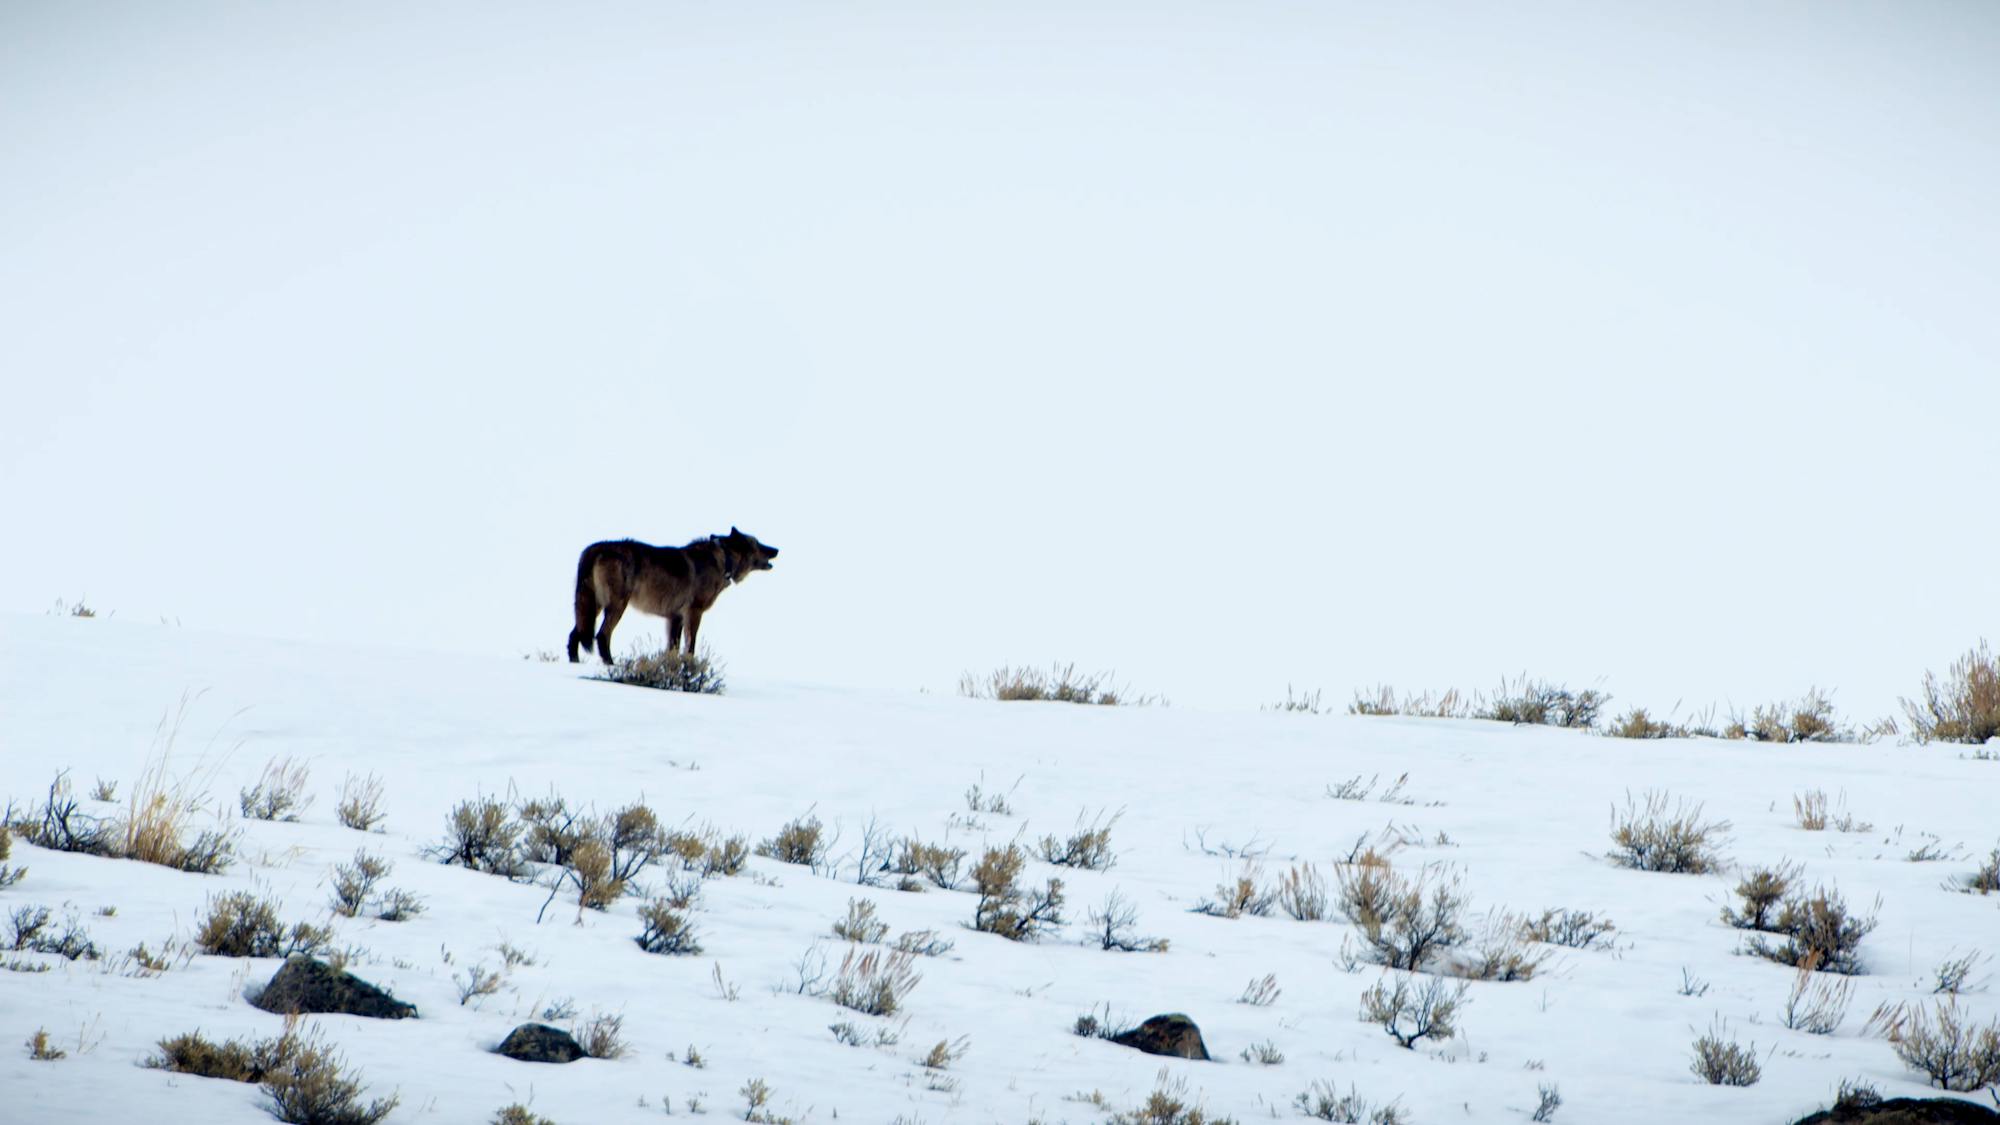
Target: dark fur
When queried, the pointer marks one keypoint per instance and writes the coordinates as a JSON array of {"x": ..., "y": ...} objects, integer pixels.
[{"x": 677, "y": 583}]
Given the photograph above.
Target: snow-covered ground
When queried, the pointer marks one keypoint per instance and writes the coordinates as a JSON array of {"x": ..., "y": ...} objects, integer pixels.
[{"x": 1522, "y": 813}]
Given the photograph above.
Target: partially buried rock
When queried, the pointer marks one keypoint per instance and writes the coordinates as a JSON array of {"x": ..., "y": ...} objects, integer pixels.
[
  {"x": 1173, "y": 1034},
  {"x": 306, "y": 985},
  {"x": 538, "y": 1042},
  {"x": 1905, "y": 1111}
]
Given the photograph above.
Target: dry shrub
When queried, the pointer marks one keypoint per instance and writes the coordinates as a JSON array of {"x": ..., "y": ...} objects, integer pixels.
[
  {"x": 1244, "y": 896},
  {"x": 8, "y": 875},
  {"x": 668, "y": 929},
  {"x": 1062, "y": 684},
  {"x": 1302, "y": 893},
  {"x": 1944, "y": 1044},
  {"x": 1113, "y": 927},
  {"x": 802, "y": 841},
  {"x": 1089, "y": 847},
  {"x": 1575, "y": 929},
  {"x": 1761, "y": 890},
  {"x": 590, "y": 871},
  {"x": 239, "y": 924},
  {"x": 1501, "y": 951},
  {"x": 354, "y": 882},
  {"x": 1636, "y": 723},
  {"x": 59, "y": 824},
  {"x": 237, "y": 1060},
  {"x": 1384, "y": 701},
  {"x": 1657, "y": 833},
  {"x": 42, "y": 1049},
  {"x": 860, "y": 924},
  {"x": 518, "y": 1114},
  {"x": 1537, "y": 702},
  {"x": 669, "y": 670},
  {"x": 876, "y": 982},
  {"x": 1406, "y": 923},
  {"x": 934, "y": 862},
  {"x": 550, "y": 831},
  {"x": 476, "y": 982},
  {"x": 29, "y": 931},
  {"x": 1724, "y": 1063},
  {"x": 1819, "y": 932},
  {"x": 1811, "y": 719},
  {"x": 636, "y": 840},
  {"x": 280, "y": 792},
  {"x": 1964, "y": 706},
  {"x": 359, "y": 804},
  {"x": 479, "y": 836},
  {"x": 1005, "y": 907},
  {"x": 708, "y": 853},
  {"x": 313, "y": 1087},
  {"x": 1415, "y": 1008}
]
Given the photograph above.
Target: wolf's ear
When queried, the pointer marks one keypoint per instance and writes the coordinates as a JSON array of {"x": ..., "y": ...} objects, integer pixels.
[{"x": 733, "y": 531}]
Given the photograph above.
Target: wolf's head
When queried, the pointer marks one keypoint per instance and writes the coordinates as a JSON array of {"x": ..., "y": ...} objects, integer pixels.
[{"x": 748, "y": 554}]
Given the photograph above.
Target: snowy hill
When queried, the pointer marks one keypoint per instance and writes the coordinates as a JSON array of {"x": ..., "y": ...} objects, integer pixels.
[{"x": 1521, "y": 816}]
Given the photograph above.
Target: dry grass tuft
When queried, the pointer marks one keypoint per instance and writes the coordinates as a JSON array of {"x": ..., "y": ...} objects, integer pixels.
[
  {"x": 280, "y": 792},
  {"x": 1061, "y": 684},
  {"x": 1384, "y": 701},
  {"x": 874, "y": 982},
  {"x": 1169, "y": 1104},
  {"x": 42, "y": 1049},
  {"x": 1724, "y": 1063},
  {"x": 1816, "y": 1004},
  {"x": 860, "y": 924},
  {"x": 359, "y": 804},
  {"x": 669, "y": 670},
  {"x": 1574, "y": 929},
  {"x": 1324, "y": 1101}
]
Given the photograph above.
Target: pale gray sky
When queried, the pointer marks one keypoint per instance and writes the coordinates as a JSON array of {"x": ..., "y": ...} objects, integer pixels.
[{"x": 1225, "y": 345}]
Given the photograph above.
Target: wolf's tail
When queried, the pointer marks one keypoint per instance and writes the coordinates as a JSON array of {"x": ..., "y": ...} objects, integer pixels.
[{"x": 586, "y": 602}]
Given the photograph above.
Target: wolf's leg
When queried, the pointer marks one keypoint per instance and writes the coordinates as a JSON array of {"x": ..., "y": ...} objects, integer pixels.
[
  {"x": 674, "y": 623},
  {"x": 694, "y": 626},
  {"x": 612, "y": 612}
]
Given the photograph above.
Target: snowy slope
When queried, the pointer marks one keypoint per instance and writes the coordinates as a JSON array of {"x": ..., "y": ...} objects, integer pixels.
[{"x": 1526, "y": 814}]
